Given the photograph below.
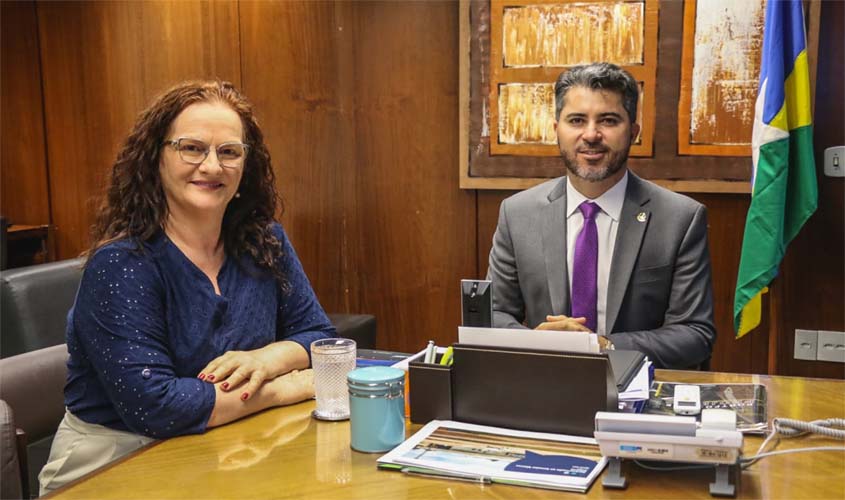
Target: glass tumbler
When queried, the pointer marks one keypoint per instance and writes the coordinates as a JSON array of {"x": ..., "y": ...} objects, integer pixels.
[{"x": 332, "y": 359}]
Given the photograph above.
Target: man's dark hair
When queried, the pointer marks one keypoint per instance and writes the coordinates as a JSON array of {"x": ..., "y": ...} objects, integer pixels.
[{"x": 597, "y": 76}]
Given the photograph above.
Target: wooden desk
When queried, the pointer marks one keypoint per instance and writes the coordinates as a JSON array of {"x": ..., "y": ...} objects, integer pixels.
[
  {"x": 284, "y": 453},
  {"x": 30, "y": 245}
]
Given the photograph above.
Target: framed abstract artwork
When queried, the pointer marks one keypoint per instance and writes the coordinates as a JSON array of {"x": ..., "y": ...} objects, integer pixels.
[
  {"x": 696, "y": 62},
  {"x": 720, "y": 69}
]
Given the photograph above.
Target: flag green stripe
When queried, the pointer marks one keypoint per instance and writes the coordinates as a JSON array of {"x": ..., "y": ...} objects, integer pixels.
[
  {"x": 785, "y": 195},
  {"x": 803, "y": 194}
]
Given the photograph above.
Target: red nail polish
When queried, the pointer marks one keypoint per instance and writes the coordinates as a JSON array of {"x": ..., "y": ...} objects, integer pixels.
[
  {"x": 202, "y": 376},
  {"x": 244, "y": 396},
  {"x": 211, "y": 378},
  {"x": 225, "y": 385}
]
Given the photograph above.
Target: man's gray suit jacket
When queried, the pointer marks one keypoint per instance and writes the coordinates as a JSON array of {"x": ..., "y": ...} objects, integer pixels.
[{"x": 659, "y": 294}]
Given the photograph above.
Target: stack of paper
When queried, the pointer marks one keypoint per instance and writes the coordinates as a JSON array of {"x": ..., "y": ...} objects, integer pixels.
[
  {"x": 634, "y": 398},
  {"x": 456, "y": 450},
  {"x": 529, "y": 339}
]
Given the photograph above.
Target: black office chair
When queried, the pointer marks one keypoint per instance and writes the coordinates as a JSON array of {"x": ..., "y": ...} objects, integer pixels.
[
  {"x": 359, "y": 327},
  {"x": 31, "y": 388},
  {"x": 35, "y": 301}
]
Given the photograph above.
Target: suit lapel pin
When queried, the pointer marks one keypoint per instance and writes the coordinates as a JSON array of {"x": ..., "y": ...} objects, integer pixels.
[{"x": 641, "y": 217}]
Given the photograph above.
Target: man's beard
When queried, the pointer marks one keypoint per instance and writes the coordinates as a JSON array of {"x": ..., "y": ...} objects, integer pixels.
[{"x": 615, "y": 161}]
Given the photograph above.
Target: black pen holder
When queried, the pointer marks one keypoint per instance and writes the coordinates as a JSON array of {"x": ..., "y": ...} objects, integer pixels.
[{"x": 430, "y": 391}]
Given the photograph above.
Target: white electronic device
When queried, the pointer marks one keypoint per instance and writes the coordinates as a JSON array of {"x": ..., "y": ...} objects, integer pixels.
[
  {"x": 687, "y": 400},
  {"x": 673, "y": 439}
]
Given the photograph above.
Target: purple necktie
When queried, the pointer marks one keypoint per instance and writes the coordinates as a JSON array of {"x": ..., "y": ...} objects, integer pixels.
[{"x": 585, "y": 267}]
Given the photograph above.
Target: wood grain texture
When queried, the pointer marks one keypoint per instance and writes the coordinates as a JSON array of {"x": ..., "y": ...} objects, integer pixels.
[
  {"x": 419, "y": 226},
  {"x": 362, "y": 134},
  {"x": 488, "y": 218},
  {"x": 726, "y": 224},
  {"x": 102, "y": 62},
  {"x": 297, "y": 60},
  {"x": 813, "y": 272},
  {"x": 284, "y": 453},
  {"x": 23, "y": 160}
]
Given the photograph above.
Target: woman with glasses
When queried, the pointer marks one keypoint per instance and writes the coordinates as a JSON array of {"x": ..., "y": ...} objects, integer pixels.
[{"x": 193, "y": 309}]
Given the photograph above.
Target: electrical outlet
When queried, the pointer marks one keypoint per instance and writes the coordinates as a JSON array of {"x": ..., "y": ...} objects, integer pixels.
[
  {"x": 806, "y": 344},
  {"x": 831, "y": 346}
]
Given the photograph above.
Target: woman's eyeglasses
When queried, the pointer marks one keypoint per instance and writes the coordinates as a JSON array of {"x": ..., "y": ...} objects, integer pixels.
[{"x": 193, "y": 151}]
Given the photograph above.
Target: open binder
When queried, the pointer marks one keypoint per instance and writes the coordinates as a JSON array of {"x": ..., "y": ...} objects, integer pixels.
[{"x": 543, "y": 391}]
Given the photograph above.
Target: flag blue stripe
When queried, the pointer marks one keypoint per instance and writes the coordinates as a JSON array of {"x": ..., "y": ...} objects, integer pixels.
[{"x": 783, "y": 40}]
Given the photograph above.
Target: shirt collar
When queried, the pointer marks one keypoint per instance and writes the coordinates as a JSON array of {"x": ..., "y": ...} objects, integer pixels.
[{"x": 610, "y": 202}]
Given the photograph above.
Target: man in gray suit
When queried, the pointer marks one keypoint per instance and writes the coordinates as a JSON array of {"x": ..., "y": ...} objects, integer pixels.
[{"x": 601, "y": 249}]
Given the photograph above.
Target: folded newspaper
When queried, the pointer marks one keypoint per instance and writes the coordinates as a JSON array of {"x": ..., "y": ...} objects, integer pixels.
[{"x": 444, "y": 448}]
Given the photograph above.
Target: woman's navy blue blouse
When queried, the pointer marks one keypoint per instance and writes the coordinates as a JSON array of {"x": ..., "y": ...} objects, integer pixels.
[{"x": 146, "y": 322}]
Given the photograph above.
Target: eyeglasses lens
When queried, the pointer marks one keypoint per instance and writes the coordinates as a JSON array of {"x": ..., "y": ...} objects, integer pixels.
[{"x": 229, "y": 155}]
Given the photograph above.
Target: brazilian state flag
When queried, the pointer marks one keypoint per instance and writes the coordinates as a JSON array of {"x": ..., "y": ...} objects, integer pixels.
[{"x": 784, "y": 192}]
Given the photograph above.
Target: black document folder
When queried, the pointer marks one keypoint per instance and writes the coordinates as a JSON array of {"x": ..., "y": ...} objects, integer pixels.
[{"x": 625, "y": 365}]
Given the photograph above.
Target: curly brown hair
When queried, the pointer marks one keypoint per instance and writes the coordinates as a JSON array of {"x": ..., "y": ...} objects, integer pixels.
[{"x": 135, "y": 207}]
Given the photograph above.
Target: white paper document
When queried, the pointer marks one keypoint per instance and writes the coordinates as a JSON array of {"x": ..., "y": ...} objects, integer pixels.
[
  {"x": 639, "y": 386},
  {"x": 530, "y": 339},
  {"x": 498, "y": 455}
]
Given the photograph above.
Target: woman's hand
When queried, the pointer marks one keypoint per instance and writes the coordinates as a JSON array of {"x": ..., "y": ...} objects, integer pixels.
[
  {"x": 293, "y": 387},
  {"x": 236, "y": 367},
  {"x": 287, "y": 389},
  {"x": 254, "y": 367}
]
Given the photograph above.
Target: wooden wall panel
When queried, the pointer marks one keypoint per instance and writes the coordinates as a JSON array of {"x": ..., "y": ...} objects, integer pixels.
[
  {"x": 488, "y": 219},
  {"x": 726, "y": 224},
  {"x": 102, "y": 62},
  {"x": 359, "y": 104},
  {"x": 419, "y": 227},
  {"x": 813, "y": 273},
  {"x": 362, "y": 134},
  {"x": 23, "y": 164},
  {"x": 297, "y": 63}
]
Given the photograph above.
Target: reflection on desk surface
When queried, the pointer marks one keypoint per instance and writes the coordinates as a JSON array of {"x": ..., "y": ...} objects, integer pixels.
[
  {"x": 283, "y": 453},
  {"x": 246, "y": 450}
]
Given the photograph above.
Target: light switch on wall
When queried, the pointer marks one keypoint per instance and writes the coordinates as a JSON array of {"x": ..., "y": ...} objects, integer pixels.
[{"x": 834, "y": 161}]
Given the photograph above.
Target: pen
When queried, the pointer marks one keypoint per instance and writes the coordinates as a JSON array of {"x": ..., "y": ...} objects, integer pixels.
[
  {"x": 413, "y": 471},
  {"x": 430, "y": 352},
  {"x": 446, "y": 360}
]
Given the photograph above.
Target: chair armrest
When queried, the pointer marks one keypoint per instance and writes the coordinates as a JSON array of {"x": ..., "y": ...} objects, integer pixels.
[
  {"x": 11, "y": 484},
  {"x": 44, "y": 371}
]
